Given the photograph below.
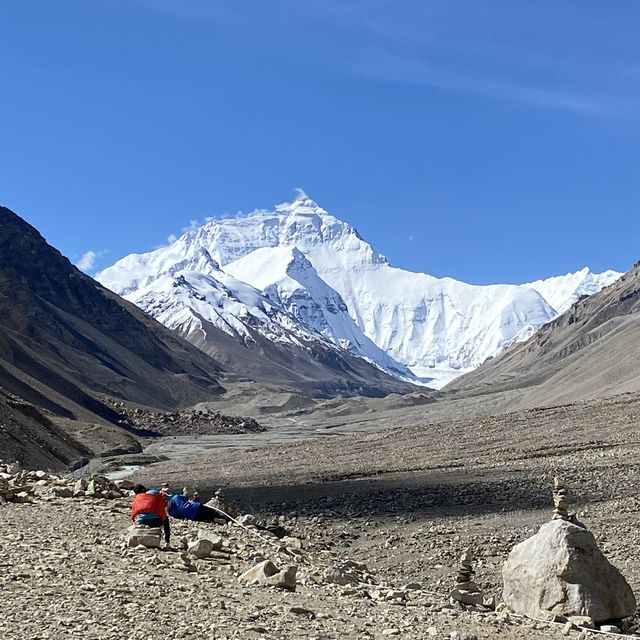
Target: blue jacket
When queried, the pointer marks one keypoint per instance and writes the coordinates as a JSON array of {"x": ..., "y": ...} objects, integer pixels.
[{"x": 182, "y": 508}]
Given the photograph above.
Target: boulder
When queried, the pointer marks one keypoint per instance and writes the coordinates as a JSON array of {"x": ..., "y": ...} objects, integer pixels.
[
  {"x": 267, "y": 574},
  {"x": 215, "y": 540},
  {"x": 146, "y": 536},
  {"x": 201, "y": 548},
  {"x": 562, "y": 570},
  {"x": 285, "y": 578}
]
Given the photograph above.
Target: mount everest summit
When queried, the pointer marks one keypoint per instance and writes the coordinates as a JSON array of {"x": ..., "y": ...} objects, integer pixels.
[{"x": 299, "y": 276}]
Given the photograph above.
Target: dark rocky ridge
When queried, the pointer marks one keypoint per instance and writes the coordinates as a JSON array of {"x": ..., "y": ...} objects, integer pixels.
[
  {"x": 64, "y": 337},
  {"x": 49, "y": 445},
  {"x": 60, "y": 327},
  {"x": 186, "y": 422}
]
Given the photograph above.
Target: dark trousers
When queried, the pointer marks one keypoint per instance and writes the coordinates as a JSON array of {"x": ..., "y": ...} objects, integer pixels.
[{"x": 208, "y": 514}]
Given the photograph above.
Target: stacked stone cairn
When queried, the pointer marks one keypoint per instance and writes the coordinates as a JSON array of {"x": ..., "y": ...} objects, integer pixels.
[
  {"x": 466, "y": 591},
  {"x": 560, "y": 500},
  {"x": 218, "y": 502}
]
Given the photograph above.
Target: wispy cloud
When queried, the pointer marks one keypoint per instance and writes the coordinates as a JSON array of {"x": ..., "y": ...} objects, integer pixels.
[
  {"x": 88, "y": 259},
  {"x": 522, "y": 53},
  {"x": 413, "y": 71}
]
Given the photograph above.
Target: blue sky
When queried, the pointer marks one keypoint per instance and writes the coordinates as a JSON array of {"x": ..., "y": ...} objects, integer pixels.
[{"x": 489, "y": 141}]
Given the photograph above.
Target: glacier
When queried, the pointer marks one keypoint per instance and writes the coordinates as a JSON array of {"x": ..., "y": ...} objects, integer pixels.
[{"x": 298, "y": 273}]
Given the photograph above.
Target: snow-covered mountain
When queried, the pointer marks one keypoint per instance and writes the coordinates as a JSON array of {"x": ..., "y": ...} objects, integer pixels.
[
  {"x": 305, "y": 270},
  {"x": 563, "y": 291}
]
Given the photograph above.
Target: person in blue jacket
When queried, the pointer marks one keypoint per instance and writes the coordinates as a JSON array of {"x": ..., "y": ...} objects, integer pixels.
[{"x": 182, "y": 507}]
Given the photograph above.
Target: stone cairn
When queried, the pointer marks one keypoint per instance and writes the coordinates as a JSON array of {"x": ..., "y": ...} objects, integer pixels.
[
  {"x": 561, "y": 504},
  {"x": 560, "y": 501},
  {"x": 218, "y": 502},
  {"x": 560, "y": 571},
  {"x": 466, "y": 591}
]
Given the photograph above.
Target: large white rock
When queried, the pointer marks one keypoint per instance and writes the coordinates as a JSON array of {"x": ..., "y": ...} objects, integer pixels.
[{"x": 561, "y": 569}]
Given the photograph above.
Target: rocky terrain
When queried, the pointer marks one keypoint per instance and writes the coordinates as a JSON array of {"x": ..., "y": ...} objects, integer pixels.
[
  {"x": 192, "y": 422},
  {"x": 64, "y": 339},
  {"x": 386, "y": 514}
]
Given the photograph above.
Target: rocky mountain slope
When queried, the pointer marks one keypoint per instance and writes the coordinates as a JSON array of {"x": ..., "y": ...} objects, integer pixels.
[
  {"x": 318, "y": 270},
  {"x": 28, "y": 435},
  {"x": 65, "y": 339},
  {"x": 66, "y": 334},
  {"x": 592, "y": 350}
]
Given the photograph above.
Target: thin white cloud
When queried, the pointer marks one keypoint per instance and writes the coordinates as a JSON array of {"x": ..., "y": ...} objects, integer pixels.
[
  {"x": 193, "y": 224},
  {"x": 88, "y": 259},
  {"x": 407, "y": 70}
]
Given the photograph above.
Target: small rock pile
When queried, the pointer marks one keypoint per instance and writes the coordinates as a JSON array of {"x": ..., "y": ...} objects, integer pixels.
[
  {"x": 20, "y": 485},
  {"x": 560, "y": 501},
  {"x": 200, "y": 421},
  {"x": 218, "y": 502},
  {"x": 206, "y": 543},
  {"x": 466, "y": 590},
  {"x": 348, "y": 573}
]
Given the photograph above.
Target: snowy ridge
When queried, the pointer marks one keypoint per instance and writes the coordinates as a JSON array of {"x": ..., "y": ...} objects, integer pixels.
[
  {"x": 184, "y": 299},
  {"x": 299, "y": 271},
  {"x": 563, "y": 291}
]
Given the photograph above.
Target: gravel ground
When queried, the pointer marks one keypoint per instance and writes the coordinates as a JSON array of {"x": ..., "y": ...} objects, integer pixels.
[{"x": 405, "y": 503}]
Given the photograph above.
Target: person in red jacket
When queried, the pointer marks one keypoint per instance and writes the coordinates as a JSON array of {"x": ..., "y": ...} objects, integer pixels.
[{"x": 148, "y": 508}]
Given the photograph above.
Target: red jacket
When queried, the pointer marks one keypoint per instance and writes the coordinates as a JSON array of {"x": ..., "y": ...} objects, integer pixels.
[{"x": 148, "y": 503}]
